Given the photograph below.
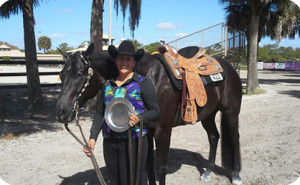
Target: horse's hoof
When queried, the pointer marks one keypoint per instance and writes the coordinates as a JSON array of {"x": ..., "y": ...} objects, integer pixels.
[
  {"x": 206, "y": 176},
  {"x": 236, "y": 180}
]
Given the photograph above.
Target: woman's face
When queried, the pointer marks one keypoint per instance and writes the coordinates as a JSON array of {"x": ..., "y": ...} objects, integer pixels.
[{"x": 125, "y": 63}]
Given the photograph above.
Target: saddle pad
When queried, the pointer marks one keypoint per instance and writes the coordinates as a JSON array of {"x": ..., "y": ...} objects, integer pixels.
[{"x": 177, "y": 84}]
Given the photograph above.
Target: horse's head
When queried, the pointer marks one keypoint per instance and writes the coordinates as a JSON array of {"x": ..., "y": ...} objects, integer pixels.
[{"x": 80, "y": 82}]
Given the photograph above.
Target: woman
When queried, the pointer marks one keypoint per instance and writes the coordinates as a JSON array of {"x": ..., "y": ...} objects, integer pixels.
[{"x": 141, "y": 93}]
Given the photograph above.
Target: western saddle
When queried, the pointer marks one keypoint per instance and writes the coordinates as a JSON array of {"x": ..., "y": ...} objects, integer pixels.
[{"x": 187, "y": 64}]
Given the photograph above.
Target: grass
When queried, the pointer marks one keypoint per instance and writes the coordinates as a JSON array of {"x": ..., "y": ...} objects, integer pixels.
[
  {"x": 256, "y": 92},
  {"x": 243, "y": 67}
]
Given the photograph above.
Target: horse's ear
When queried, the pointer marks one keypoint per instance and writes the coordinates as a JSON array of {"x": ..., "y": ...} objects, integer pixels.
[
  {"x": 63, "y": 53},
  {"x": 89, "y": 51}
]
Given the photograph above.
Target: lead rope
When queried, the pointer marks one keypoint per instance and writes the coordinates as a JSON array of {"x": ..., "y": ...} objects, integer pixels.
[
  {"x": 135, "y": 181},
  {"x": 85, "y": 143},
  {"x": 139, "y": 157}
]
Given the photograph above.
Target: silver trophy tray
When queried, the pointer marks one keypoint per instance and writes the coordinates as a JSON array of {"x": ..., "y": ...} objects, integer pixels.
[{"x": 117, "y": 114}]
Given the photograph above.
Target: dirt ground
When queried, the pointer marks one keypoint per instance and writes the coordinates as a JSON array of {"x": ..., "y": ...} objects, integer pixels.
[{"x": 36, "y": 149}]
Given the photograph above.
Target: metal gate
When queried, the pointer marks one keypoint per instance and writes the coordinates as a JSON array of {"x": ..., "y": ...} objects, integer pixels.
[{"x": 218, "y": 39}]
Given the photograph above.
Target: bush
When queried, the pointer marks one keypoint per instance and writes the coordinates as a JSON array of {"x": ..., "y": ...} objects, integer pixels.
[{"x": 5, "y": 58}]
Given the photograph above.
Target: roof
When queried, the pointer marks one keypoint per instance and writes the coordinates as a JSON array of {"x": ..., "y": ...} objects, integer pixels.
[
  {"x": 106, "y": 37},
  {"x": 3, "y": 46},
  {"x": 12, "y": 53}
]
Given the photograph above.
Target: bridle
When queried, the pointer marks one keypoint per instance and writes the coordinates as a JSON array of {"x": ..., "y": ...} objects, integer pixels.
[{"x": 84, "y": 143}]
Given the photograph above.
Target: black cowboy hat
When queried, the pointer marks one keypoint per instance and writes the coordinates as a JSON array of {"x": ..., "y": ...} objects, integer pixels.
[{"x": 126, "y": 47}]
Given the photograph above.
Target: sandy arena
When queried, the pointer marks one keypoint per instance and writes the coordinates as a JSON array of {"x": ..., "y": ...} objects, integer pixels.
[{"x": 36, "y": 149}]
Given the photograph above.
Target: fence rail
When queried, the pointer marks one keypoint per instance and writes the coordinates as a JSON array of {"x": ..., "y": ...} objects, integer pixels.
[{"x": 41, "y": 63}]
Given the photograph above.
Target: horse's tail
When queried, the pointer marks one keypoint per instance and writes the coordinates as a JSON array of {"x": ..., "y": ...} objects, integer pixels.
[{"x": 227, "y": 150}]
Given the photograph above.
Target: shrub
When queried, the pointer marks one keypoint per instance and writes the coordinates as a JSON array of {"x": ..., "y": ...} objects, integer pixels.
[{"x": 5, "y": 58}]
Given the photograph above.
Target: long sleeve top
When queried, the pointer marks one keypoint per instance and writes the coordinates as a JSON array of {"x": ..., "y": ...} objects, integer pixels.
[{"x": 145, "y": 89}]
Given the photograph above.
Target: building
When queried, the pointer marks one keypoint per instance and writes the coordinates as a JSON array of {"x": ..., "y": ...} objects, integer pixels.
[
  {"x": 105, "y": 43},
  {"x": 5, "y": 51},
  {"x": 15, "y": 54}
]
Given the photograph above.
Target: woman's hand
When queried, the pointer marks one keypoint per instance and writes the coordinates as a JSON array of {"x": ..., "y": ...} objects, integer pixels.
[
  {"x": 91, "y": 144},
  {"x": 133, "y": 119}
]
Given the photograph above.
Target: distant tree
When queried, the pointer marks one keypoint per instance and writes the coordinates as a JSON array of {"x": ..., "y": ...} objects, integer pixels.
[
  {"x": 273, "y": 53},
  {"x": 52, "y": 51},
  {"x": 83, "y": 44},
  {"x": 136, "y": 44},
  {"x": 44, "y": 43},
  {"x": 263, "y": 54},
  {"x": 152, "y": 47},
  {"x": 33, "y": 80},
  {"x": 64, "y": 47}
]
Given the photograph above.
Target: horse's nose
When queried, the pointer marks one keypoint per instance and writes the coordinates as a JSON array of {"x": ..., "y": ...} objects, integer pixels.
[{"x": 62, "y": 116}]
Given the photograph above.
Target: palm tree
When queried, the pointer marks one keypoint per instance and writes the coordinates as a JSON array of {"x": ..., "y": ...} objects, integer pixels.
[
  {"x": 96, "y": 29},
  {"x": 33, "y": 80},
  {"x": 259, "y": 18}
]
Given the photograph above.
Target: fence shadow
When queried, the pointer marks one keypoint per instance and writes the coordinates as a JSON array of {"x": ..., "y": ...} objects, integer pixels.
[
  {"x": 16, "y": 121},
  {"x": 292, "y": 93}
]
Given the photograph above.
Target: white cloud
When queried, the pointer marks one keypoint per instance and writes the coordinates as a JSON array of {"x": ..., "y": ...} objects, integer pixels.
[
  {"x": 181, "y": 34},
  {"x": 166, "y": 26},
  {"x": 57, "y": 36},
  {"x": 66, "y": 10}
]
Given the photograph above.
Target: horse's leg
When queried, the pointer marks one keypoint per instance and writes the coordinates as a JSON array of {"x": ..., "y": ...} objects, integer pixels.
[
  {"x": 209, "y": 125},
  {"x": 231, "y": 157},
  {"x": 149, "y": 163},
  {"x": 162, "y": 143}
]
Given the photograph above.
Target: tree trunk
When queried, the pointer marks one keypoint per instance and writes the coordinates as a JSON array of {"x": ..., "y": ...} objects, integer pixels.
[
  {"x": 33, "y": 80},
  {"x": 96, "y": 38},
  {"x": 252, "y": 77},
  {"x": 97, "y": 24}
]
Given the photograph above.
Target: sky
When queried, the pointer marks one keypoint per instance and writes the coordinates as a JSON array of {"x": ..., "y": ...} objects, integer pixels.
[{"x": 68, "y": 21}]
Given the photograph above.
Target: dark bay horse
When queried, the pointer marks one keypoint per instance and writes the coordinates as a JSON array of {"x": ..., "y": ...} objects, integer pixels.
[{"x": 225, "y": 96}]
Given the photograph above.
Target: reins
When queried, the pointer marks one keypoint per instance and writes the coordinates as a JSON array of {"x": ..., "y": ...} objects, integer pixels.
[
  {"x": 76, "y": 109},
  {"x": 135, "y": 181}
]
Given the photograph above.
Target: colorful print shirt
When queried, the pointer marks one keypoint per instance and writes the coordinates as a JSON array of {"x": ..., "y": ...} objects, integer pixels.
[{"x": 141, "y": 94}]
